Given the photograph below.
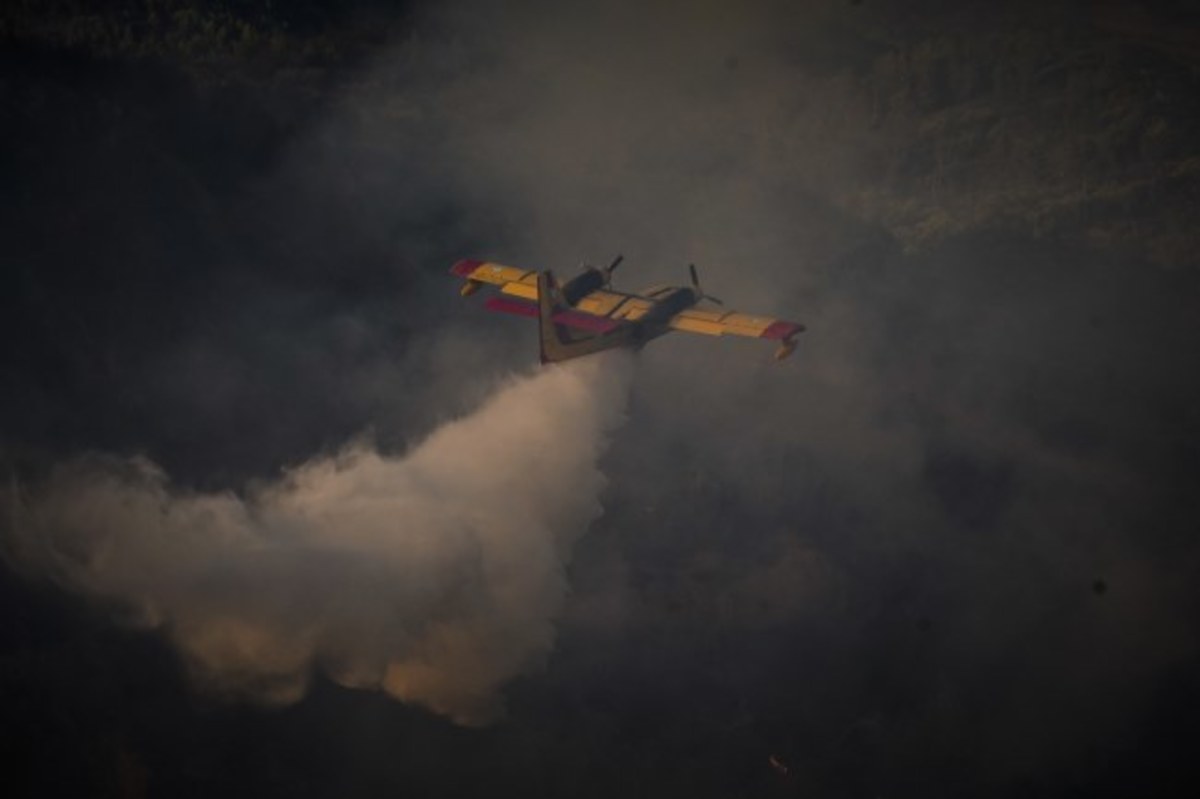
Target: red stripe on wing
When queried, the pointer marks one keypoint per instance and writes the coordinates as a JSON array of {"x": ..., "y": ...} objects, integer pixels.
[
  {"x": 575, "y": 319},
  {"x": 465, "y": 267},
  {"x": 782, "y": 330},
  {"x": 508, "y": 305}
]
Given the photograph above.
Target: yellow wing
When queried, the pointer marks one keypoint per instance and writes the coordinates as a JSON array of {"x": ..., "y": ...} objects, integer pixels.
[
  {"x": 615, "y": 305},
  {"x": 721, "y": 323},
  {"x": 511, "y": 280},
  {"x": 523, "y": 283}
]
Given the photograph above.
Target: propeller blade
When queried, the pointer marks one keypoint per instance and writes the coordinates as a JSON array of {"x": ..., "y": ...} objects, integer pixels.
[
  {"x": 696, "y": 284},
  {"x": 609, "y": 269}
]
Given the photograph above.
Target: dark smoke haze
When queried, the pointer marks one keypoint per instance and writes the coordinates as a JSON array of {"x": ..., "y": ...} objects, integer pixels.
[{"x": 948, "y": 548}]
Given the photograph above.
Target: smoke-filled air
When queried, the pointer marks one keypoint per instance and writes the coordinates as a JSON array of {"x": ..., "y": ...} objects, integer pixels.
[
  {"x": 435, "y": 575},
  {"x": 257, "y": 447}
]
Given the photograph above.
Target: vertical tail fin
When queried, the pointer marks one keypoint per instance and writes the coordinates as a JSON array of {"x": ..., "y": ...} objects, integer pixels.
[
  {"x": 548, "y": 335},
  {"x": 555, "y": 344}
]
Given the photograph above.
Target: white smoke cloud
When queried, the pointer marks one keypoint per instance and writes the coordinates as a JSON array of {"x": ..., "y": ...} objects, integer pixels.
[{"x": 434, "y": 576}]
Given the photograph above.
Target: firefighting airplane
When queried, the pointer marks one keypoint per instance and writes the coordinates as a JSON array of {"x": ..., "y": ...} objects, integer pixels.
[{"x": 584, "y": 315}]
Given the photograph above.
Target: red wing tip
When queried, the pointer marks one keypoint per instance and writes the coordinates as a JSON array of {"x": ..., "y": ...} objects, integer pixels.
[
  {"x": 465, "y": 267},
  {"x": 778, "y": 331}
]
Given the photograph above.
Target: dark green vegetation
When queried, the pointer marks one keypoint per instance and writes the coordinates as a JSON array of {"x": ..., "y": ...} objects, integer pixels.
[
  {"x": 1085, "y": 130},
  {"x": 233, "y": 34},
  {"x": 1074, "y": 120}
]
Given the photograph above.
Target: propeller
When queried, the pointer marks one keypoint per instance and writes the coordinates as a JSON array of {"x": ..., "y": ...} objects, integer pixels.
[
  {"x": 606, "y": 272},
  {"x": 612, "y": 268},
  {"x": 700, "y": 295}
]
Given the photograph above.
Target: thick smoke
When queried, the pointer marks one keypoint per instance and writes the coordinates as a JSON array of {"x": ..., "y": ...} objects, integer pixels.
[{"x": 434, "y": 576}]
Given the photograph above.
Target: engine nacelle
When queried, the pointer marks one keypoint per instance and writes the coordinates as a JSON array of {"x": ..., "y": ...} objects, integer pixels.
[
  {"x": 470, "y": 287},
  {"x": 582, "y": 285}
]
